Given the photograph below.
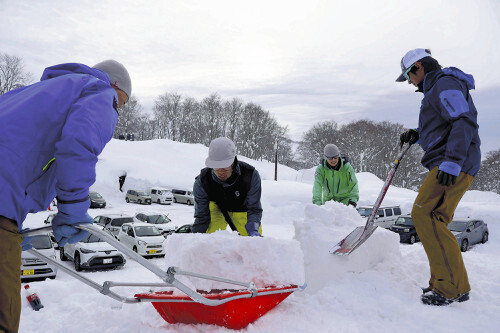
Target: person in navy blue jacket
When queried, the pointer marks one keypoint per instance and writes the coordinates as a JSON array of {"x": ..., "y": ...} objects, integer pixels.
[
  {"x": 51, "y": 133},
  {"x": 448, "y": 133}
]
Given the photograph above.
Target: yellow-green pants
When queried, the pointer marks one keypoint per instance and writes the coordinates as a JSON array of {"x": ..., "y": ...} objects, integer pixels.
[
  {"x": 432, "y": 212},
  {"x": 10, "y": 276},
  {"x": 218, "y": 222}
]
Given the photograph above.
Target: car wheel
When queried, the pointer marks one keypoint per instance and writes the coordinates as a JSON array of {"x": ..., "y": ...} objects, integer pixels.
[
  {"x": 465, "y": 245},
  {"x": 62, "y": 256},
  {"x": 135, "y": 249},
  {"x": 413, "y": 238},
  {"x": 78, "y": 267},
  {"x": 158, "y": 201},
  {"x": 139, "y": 201},
  {"x": 127, "y": 200},
  {"x": 175, "y": 200},
  {"x": 485, "y": 238},
  {"x": 189, "y": 202}
]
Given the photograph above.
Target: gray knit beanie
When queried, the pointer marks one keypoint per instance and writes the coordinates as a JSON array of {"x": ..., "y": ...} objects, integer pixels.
[
  {"x": 331, "y": 151},
  {"x": 221, "y": 153},
  {"x": 118, "y": 75}
]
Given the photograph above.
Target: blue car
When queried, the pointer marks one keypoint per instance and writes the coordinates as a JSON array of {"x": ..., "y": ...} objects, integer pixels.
[{"x": 469, "y": 232}]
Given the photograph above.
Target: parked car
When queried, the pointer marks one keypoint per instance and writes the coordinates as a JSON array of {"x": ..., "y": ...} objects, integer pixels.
[
  {"x": 185, "y": 229},
  {"x": 33, "y": 268},
  {"x": 143, "y": 238},
  {"x": 161, "y": 221},
  {"x": 183, "y": 196},
  {"x": 112, "y": 222},
  {"x": 469, "y": 232},
  {"x": 386, "y": 215},
  {"x": 141, "y": 197},
  {"x": 161, "y": 195},
  {"x": 406, "y": 229},
  {"x": 96, "y": 200},
  {"x": 92, "y": 253}
]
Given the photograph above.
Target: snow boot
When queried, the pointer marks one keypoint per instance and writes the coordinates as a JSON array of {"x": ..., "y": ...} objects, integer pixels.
[{"x": 433, "y": 298}]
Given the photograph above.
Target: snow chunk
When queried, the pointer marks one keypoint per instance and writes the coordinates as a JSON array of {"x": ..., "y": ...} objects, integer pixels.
[
  {"x": 265, "y": 261},
  {"x": 322, "y": 228}
]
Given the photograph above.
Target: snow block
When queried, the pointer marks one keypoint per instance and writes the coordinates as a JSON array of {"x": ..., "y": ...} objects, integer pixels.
[
  {"x": 265, "y": 261},
  {"x": 324, "y": 226}
]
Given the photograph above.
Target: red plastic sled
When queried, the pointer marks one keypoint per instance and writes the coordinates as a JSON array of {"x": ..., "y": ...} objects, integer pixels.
[{"x": 235, "y": 314}]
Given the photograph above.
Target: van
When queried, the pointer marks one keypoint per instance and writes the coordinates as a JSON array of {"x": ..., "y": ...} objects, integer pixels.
[
  {"x": 112, "y": 222},
  {"x": 386, "y": 215},
  {"x": 183, "y": 196},
  {"x": 161, "y": 195},
  {"x": 141, "y": 197}
]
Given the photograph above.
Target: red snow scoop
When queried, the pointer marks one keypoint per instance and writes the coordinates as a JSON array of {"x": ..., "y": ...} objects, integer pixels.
[
  {"x": 235, "y": 314},
  {"x": 359, "y": 235},
  {"x": 229, "y": 308}
]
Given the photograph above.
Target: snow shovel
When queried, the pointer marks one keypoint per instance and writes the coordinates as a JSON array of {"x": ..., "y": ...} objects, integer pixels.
[
  {"x": 359, "y": 235},
  {"x": 229, "y": 308}
]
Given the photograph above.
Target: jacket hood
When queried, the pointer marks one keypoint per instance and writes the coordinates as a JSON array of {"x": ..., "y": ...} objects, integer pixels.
[
  {"x": 73, "y": 68},
  {"x": 432, "y": 77}
]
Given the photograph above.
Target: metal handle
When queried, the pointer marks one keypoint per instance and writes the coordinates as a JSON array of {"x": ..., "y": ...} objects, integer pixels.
[{"x": 168, "y": 277}]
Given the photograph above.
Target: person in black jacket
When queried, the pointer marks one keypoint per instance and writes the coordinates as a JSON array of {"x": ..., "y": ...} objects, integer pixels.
[{"x": 226, "y": 192}]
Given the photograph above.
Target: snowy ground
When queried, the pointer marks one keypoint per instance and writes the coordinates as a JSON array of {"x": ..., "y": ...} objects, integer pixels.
[{"x": 375, "y": 289}]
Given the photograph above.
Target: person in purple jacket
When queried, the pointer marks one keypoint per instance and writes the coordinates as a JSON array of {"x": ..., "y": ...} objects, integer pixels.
[
  {"x": 448, "y": 133},
  {"x": 51, "y": 133}
]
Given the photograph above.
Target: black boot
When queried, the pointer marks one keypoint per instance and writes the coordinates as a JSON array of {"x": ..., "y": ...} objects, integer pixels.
[{"x": 433, "y": 298}]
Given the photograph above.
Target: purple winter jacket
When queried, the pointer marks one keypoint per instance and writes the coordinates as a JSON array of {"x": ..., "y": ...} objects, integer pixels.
[{"x": 51, "y": 133}]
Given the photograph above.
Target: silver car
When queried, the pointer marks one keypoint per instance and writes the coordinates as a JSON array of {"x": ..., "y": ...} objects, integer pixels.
[
  {"x": 469, "y": 232},
  {"x": 33, "y": 268}
]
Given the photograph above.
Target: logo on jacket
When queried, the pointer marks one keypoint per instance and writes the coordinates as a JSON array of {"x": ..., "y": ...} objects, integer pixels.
[{"x": 237, "y": 193}]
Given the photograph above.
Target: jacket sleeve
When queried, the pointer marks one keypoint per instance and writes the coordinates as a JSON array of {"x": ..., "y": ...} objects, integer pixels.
[
  {"x": 254, "y": 206},
  {"x": 455, "y": 109},
  {"x": 318, "y": 187},
  {"x": 201, "y": 208},
  {"x": 88, "y": 127},
  {"x": 353, "y": 184}
]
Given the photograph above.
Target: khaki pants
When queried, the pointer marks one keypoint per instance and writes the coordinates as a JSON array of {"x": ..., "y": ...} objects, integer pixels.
[
  {"x": 10, "y": 276},
  {"x": 432, "y": 212}
]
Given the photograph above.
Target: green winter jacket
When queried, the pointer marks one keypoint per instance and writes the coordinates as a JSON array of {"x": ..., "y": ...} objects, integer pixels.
[{"x": 338, "y": 185}]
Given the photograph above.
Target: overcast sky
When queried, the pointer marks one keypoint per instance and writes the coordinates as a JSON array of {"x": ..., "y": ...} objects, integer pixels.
[{"x": 304, "y": 61}]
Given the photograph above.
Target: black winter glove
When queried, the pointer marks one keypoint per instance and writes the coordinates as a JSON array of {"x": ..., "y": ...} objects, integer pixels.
[
  {"x": 445, "y": 178},
  {"x": 352, "y": 203},
  {"x": 410, "y": 136}
]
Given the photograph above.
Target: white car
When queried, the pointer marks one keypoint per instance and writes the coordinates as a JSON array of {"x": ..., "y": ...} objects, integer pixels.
[
  {"x": 161, "y": 195},
  {"x": 161, "y": 221},
  {"x": 92, "y": 253},
  {"x": 34, "y": 268},
  {"x": 143, "y": 238}
]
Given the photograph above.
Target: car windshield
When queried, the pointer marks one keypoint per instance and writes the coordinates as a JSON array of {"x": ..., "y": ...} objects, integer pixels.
[
  {"x": 94, "y": 195},
  {"x": 158, "y": 219},
  {"x": 365, "y": 212},
  {"x": 404, "y": 221},
  {"x": 41, "y": 242},
  {"x": 144, "y": 231},
  {"x": 94, "y": 239},
  {"x": 142, "y": 194},
  {"x": 458, "y": 226},
  {"x": 119, "y": 221}
]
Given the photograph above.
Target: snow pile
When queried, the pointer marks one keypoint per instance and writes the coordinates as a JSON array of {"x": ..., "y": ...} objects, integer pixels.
[
  {"x": 265, "y": 261},
  {"x": 322, "y": 228}
]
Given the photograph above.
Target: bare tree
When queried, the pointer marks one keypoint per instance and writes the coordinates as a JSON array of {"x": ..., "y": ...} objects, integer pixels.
[
  {"x": 12, "y": 74},
  {"x": 314, "y": 141},
  {"x": 488, "y": 177},
  {"x": 129, "y": 115}
]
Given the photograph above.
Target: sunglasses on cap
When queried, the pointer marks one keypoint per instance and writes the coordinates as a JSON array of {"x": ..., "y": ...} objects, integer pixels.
[
  {"x": 332, "y": 157},
  {"x": 406, "y": 74}
]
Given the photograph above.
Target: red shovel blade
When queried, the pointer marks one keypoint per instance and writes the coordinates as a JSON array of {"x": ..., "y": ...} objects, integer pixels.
[{"x": 235, "y": 314}]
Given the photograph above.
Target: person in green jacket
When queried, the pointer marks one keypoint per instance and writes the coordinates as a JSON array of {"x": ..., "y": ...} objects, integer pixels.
[{"x": 335, "y": 179}]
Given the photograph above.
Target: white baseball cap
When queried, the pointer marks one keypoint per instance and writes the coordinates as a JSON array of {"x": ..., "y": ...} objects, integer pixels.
[
  {"x": 409, "y": 59},
  {"x": 221, "y": 153}
]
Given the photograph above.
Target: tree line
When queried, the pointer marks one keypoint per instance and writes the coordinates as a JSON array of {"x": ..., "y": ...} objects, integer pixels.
[{"x": 369, "y": 146}]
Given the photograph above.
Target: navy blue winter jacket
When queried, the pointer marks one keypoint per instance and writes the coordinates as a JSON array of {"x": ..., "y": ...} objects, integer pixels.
[
  {"x": 69, "y": 115},
  {"x": 448, "y": 126}
]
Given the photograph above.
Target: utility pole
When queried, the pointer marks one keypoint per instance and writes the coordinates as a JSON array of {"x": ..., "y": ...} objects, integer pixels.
[{"x": 276, "y": 160}]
